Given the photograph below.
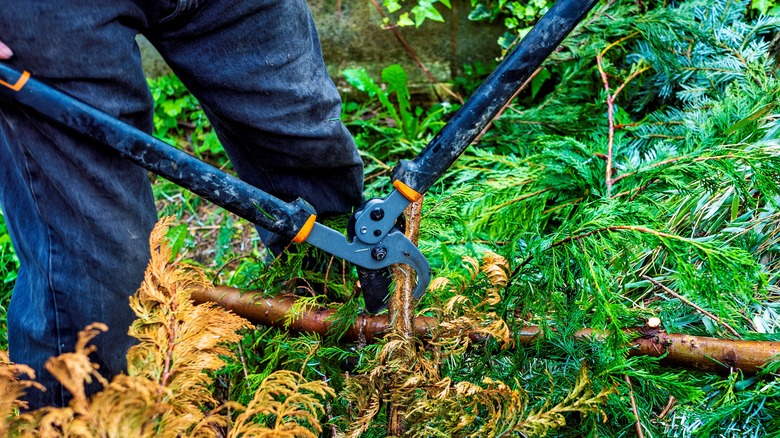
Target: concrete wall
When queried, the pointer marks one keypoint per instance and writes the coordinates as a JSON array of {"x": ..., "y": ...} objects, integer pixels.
[
  {"x": 351, "y": 35},
  {"x": 358, "y": 40}
]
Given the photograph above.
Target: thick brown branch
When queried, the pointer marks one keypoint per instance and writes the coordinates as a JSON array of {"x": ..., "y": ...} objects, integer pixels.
[
  {"x": 402, "y": 309},
  {"x": 696, "y": 352}
]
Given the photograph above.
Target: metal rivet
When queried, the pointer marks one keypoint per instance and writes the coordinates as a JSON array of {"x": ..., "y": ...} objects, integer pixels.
[
  {"x": 379, "y": 253},
  {"x": 377, "y": 214}
]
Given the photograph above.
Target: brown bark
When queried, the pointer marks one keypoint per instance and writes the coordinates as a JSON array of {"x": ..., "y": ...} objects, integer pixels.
[
  {"x": 401, "y": 307},
  {"x": 687, "y": 351},
  {"x": 401, "y": 303},
  {"x": 273, "y": 311},
  {"x": 692, "y": 352}
]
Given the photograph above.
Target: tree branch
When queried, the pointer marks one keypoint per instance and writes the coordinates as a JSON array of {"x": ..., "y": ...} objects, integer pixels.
[
  {"x": 692, "y": 352},
  {"x": 692, "y": 304},
  {"x": 638, "y": 424},
  {"x": 401, "y": 308}
]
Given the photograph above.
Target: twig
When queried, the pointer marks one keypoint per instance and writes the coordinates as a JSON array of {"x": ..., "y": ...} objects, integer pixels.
[
  {"x": 638, "y": 424},
  {"x": 244, "y": 368},
  {"x": 692, "y": 304},
  {"x": 327, "y": 274},
  {"x": 611, "y": 97},
  {"x": 413, "y": 55},
  {"x": 669, "y": 405}
]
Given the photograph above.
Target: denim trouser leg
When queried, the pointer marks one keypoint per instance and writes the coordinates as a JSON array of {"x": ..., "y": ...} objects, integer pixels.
[
  {"x": 79, "y": 216},
  {"x": 256, "y": 67}
]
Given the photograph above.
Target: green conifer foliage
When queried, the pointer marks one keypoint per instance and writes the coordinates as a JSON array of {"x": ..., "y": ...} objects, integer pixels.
[{"x": 676, "y": 184}]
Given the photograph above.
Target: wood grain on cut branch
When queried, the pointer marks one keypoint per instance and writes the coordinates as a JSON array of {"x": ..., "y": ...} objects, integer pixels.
[{"x": 692, "y": 352}]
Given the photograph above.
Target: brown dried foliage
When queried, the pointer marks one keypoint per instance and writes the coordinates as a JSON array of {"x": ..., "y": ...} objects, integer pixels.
[
  {"x": 293, "y": 404},
  {"x": 11, "y": 388},
  {"x": 407, "y": 373},
  {"x": 166, "y": 390}
]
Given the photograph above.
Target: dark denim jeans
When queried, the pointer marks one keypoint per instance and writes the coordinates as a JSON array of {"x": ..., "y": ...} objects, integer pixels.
[{"x": 79, "y": 216}]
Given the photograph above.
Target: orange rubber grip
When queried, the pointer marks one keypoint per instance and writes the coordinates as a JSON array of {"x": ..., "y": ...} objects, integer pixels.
[
  {"x": 408, "y": 192},
  {"x": 305, "y": 230},
  {"x": 19, "y": 83}
]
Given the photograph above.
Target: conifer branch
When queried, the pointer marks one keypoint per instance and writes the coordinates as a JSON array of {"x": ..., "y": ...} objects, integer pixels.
[
  {"x": 578, "y": 237},
  {"x": 611, "y": 98},
  {"x": 668, "y": 161},
  {"x": 694, "y": 305},
  {"x": 695, "y": 352}
]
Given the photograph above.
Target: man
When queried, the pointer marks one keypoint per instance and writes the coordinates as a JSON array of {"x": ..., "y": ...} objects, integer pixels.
[{"x": 79, "y": 216}]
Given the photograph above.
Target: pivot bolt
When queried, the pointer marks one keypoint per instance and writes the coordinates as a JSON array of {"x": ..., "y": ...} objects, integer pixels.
[
  {"x": 377, "y": 214},
  {"x": 379, "y": 253}
]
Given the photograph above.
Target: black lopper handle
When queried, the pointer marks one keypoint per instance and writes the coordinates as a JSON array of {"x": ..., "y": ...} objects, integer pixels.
[
  {"x": 423, "y": 171},
  {"x": 227, "y": 191}
]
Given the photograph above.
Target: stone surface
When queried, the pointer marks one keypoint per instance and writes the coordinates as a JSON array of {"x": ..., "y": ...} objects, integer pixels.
[
  {"x": 352, "y": 35},
  {"x": 154, "y": 65}
]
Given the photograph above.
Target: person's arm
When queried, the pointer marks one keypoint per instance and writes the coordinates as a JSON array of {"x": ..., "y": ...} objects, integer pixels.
[{"x": 5, "y": 51}]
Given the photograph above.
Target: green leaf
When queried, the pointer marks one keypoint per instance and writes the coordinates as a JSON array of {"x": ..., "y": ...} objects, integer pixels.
[
  {"x": 425, "y": 10},
  {"x": 392, "y": 5},
  {"x": 396, "y": 80},
  {"x": 762, "y": 5},
  {"x": 11, "y": 276},
  {"x": 404, "y": 20},
  {"x": 359, "y": 78},
  {"x": 480, "y": 12},
  {"x": 177, "y": 235}
]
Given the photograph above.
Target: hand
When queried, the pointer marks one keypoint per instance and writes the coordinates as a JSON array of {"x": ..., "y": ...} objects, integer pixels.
[{"x": 5, "y": 52}]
